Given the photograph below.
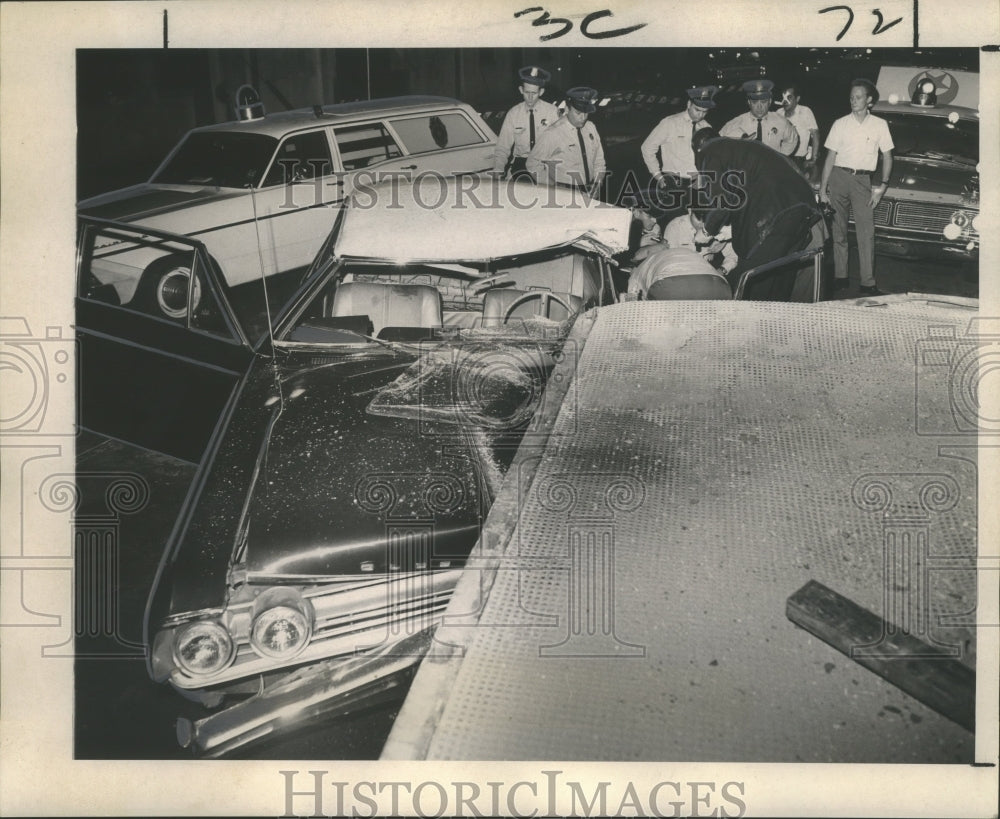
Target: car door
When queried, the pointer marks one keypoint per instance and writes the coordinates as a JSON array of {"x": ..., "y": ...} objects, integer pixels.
[
  {"x": 152, "y": 381},
  {"x": 298, "y": 199}
]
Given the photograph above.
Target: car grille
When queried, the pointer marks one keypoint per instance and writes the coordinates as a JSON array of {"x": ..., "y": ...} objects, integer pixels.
[
  {"x": 882, "y": 211},
  {"x": 921, "y": 216}
]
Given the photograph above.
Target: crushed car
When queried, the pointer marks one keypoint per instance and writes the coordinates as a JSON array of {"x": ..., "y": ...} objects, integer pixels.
[
  {"x": 349, "y": 475},
  {"x": 261, "y": 192}
]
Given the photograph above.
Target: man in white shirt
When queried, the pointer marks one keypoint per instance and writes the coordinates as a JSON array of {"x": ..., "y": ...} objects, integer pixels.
[
  {"x": 760, "y": 123},
  {"x": 523, "y": 123},
  {"x": 853, "y": 146},
  {"x": 802, "y": 118}
]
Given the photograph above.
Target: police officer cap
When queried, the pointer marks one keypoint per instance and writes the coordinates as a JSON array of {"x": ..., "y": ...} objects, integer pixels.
[
  {"x": 758, "y": 89},
  {"x": 534, "y": 75},
  {"x": 582, "y": 99},
  {"x": 703, "y": 96}
]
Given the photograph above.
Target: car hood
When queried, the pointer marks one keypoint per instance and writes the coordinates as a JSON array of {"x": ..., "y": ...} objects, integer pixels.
[
  {"x": 919, "y": 178},
  {"x": 308, "y": 487},
  {"x": 148, "y": 200}
]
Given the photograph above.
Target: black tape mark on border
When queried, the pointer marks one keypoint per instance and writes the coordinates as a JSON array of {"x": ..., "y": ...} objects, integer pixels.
[{"x": 165, "y": 38}]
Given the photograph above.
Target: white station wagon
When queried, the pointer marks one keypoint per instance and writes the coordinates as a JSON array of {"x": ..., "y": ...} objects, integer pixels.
[{"x": 262, "y": 193}]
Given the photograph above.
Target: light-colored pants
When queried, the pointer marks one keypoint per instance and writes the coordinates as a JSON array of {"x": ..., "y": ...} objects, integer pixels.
[{"x": 850, "y": 192}]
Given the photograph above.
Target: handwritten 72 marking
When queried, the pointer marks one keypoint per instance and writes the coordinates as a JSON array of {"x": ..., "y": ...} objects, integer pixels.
[{"x": 879, "y": 27}]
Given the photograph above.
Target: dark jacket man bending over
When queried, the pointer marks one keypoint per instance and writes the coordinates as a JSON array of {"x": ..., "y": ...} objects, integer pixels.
[{"x": 772, "y": 210}]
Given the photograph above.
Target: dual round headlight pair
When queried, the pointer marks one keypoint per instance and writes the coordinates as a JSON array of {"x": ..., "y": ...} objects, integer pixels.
[{"x": 280, "y": 627}]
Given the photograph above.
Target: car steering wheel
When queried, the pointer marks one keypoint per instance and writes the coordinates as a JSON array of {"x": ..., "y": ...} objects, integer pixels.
[{"x": 546, "y": 297}]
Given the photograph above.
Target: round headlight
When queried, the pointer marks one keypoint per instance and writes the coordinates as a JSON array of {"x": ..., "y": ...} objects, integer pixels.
[
  {"x": 280, "y": 632},
  {"x": 204, "y": 647},
  {"x": 975, "y": 223},
  {"x": 952, "y": 231}
]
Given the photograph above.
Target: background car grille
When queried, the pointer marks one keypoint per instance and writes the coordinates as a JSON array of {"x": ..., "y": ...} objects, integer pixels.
[
  {"x": 882, "y": 212},
  {"x": 921, "y": 216}
]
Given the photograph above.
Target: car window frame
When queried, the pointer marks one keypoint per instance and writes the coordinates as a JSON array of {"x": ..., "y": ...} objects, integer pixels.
[
  {"x": 200, "y": 264},
  {"x": 339, "y": 158},
  {"x": 335, "y": 164}
]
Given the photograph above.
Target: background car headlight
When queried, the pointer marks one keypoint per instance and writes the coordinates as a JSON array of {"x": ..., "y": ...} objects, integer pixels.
[
  {"x": 203, "y": 648},
  {"x": 282, "y": 624}
]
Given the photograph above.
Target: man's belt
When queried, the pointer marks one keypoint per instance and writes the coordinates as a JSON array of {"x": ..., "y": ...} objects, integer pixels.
[{"x": 855, "y": 171}]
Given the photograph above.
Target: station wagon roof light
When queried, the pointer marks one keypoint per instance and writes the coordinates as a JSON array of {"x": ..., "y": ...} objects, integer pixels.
[
  {"x": 249, "y": 107},
  {"x": 924, "y": 95}
]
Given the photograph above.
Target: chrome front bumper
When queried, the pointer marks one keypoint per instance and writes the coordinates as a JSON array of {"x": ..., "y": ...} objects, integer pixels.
[{"x": 332, "y": 687}]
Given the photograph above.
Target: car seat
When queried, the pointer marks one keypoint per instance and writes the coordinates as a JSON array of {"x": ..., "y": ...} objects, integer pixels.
[{"x": 389, "y": 305}]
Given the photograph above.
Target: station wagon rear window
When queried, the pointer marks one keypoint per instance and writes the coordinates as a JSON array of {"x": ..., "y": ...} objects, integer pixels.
[
  {"x": 221, "y": 158},
  {"x": 432, "y": 133}
]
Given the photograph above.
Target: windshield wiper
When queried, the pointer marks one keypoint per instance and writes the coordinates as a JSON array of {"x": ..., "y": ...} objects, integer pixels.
[{"x": 961, "y": 160}]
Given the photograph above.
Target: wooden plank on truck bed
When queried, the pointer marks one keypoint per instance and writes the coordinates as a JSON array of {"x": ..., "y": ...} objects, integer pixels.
[{"x": 922, "y": 671}]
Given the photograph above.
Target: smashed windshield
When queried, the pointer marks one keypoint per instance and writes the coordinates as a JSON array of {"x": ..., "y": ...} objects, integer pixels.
[
  {"x": 221, "y": 158},
  {"x": 934, "y": 138}
]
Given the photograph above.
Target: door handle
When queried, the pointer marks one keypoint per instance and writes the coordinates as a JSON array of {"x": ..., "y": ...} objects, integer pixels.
[{"x": 408, "y": 168}]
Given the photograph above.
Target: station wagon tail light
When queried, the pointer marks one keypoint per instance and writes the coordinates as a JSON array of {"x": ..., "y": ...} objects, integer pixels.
[
  {"x": 282, "y": 624},
  {"x": 203, "y": 647}
]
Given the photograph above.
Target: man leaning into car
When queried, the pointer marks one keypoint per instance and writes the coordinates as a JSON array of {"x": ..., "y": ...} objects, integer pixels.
[{"x": 853, "y": 147}]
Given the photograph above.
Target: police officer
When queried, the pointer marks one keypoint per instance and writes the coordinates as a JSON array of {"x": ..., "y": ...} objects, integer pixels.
[
  {"x": 524, "y": 122},
  {"x": 569, "y": 152},
  {"x": 667, "y": 150},
  {"x": 760, "y": 123}
]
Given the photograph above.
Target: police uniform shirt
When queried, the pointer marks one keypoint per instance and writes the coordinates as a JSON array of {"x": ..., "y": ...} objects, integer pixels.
[
  {"x": 857, "y": 143},
  {"x": 804, "y": 122},
  {"x": 776, "y": 131},
  {"x": 556, "y": 158},
  {"x": 516, "y": 131},
  {"x": 672, "y": 136}
]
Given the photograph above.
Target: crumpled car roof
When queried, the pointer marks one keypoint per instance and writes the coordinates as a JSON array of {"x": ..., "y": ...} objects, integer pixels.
[{"x": 451, "y": 219}]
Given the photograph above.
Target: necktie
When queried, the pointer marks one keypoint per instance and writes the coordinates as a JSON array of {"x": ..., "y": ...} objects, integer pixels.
[
  {"x": 583, "y": 156},
  {"x": 531, "y": 128},
  {"x": 760, "y": 133}
]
